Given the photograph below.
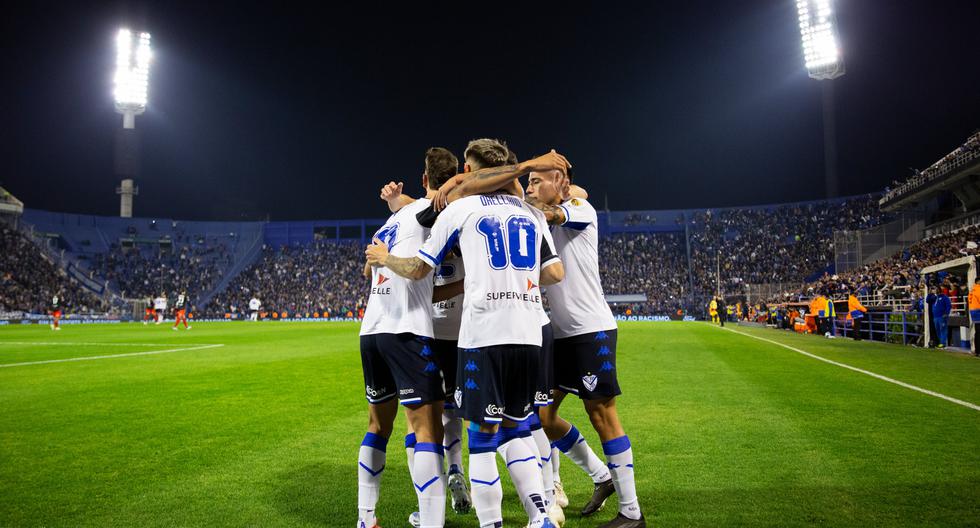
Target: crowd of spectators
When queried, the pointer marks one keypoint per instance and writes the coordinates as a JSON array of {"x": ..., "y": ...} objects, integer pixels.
[
  {"x": 145, "y": 271},
  {"x": 323, "y": 278},
  {"x": 789, "y": 243},
  {"x": 966, "y": 153},
  {"x": 29, "y": 281},
  {"x": 899, "y": 276},
  {"x": 654, "y": 264}
]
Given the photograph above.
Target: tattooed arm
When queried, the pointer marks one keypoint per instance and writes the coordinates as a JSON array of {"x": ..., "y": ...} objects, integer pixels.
[
  {"x": 411, "y": 268},
  {"x": 554, "y": 214},
  {"x": 495, "y": 178}
]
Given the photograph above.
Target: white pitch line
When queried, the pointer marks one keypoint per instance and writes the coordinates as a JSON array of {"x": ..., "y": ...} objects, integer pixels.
[
  {"x": 90, "y": 358},
  {"x": 865, "y": 372},
  {"x": 76, "y": 343}
]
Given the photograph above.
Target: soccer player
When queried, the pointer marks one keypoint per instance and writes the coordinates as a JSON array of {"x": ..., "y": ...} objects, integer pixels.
[
  {"x": 160, "y": 306},
  {"x": 149, "y": 313},
  {"x": 55, "y": 312},
  {"x": 585, "y": 343},
  {"x": 180, "y": 311},
  {"x": 440, "y": 166},
  {"x": 254, "y": 304},
  {"x": 500, "y": 337},
  {"x": 398, "y": 360}
]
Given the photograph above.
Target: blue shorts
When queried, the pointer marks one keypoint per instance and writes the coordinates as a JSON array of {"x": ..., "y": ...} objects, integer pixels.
[
  {"x": 975, "y": 315},
  {"x": 402, "y": 365},
  {"x": 497, "y": 382},
  {"x": 585, "y": 365}
]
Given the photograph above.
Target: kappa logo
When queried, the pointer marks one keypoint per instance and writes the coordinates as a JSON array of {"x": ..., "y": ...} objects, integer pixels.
[
  {"x": 381, "y": 279},
  {"x": 606, "y": 367},
  {"x": 603, "y": 351},
  {"x": 406, "y": 391},
  {"x": 430, "y": 367},
  {"x": 601, "y": 336},
  {"x": 493, "y": 410},
  {"x": 471, "y": 385},
  {"x": 458, "y": 396},
  {"x": 590, "y": 381},
  {"x": 471, "y": 366},
  {"x": 531, "y": 285}
]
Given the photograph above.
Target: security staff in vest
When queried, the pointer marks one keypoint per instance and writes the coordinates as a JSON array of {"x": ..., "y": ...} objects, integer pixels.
[
  {"x": 974, "y": 307},
  {"x": 855, "y": 312}
]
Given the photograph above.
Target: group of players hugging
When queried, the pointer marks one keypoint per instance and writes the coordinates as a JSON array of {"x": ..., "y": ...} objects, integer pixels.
[{"x": 456, "y": 329}]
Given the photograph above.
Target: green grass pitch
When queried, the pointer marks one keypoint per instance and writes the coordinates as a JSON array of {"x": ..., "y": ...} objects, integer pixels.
[{"x": 264, "y": 430}]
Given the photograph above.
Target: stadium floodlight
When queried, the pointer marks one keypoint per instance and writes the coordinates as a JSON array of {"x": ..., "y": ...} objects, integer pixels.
[
  {"x": 821, "y": 47},
  {"x": 132, "y": 75}
]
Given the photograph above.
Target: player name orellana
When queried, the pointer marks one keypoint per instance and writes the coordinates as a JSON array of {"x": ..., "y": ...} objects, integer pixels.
[{"x": 511, "y": 295}]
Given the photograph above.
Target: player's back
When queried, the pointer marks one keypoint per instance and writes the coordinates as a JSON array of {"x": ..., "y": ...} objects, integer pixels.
[
  {"x": 500, "y": 242},
  {"x": 578, "y": 305},
  {"x": 396, "y": 304}
]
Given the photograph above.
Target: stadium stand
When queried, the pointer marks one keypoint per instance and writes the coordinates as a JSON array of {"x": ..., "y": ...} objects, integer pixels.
[
  {"x": 29, "y": 279},
  {"x": 322, "y": 278},
  {"x": 135, "y": 258}
]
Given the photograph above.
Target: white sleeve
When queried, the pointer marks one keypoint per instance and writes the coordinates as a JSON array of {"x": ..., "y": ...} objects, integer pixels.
[
  {"x": 442, "y": 237},
  {"x": 548, "y": 253},
  {"x": 578, "y": 214}
]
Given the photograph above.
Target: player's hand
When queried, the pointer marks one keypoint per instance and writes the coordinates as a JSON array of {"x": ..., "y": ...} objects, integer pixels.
[
  {"x": 391, "y": 191},
  {"x": 549, "y": 162},
  {"x": 441, "y": 199},
  {"x": 563, "y": 185},
  {"x": 376, "y": 253}
]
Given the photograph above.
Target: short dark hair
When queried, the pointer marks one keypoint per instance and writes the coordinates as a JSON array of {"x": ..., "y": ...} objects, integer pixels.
[
  {"x": 485, "y": 153},
  {"x": 440, "y": 165}
]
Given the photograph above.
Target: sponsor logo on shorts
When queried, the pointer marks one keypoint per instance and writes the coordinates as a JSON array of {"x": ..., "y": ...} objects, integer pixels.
[
  {"x": 493, "y": 410},
  {"x": 603, "y": 351},
  {"x": 406, "y": 391},
  {"x": 370, "y": 391},
  {"x": 590, "y": 381},
  {"x": 606, "y": 367},
  {"x": 471, "y": 366},
  {"x": 471, "y": 385}
]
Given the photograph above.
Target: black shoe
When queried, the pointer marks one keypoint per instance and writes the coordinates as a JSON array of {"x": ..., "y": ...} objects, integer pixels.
[
  {"x": 601, "y": 492},
  {"x": 622, "y": 521}
]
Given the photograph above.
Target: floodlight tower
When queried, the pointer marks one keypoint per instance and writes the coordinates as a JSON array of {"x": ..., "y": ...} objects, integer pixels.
[
  {"x": 132, "y": 76},
  {"x": 824, "y": 62}
]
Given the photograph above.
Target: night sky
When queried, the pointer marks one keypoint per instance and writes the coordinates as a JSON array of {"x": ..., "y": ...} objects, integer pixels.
[{"x": 288, "y": 113}]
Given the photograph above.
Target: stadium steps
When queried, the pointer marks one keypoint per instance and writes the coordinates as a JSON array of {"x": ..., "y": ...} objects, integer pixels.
[{"x": 245, "y": 255}]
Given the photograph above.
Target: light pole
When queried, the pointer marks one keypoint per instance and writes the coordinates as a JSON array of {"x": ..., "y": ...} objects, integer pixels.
[
  {"x": 824, "y": 62},
  {"x": 131, "y": 80}
]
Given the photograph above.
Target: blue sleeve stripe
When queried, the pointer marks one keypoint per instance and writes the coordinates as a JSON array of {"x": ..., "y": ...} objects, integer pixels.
[
  {"x": 578, "y": 226},
  {"x": 429, "y": 259},
  {"x": 450, "y": 242}
]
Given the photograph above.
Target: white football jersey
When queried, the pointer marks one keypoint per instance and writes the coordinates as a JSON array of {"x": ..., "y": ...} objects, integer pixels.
[
  {"x": 503, "y": 252},
  {"x": 160, "y": 303},
  {"x": 399, "y": 305},
  {"x": 446, "y": 315},
  {"x": 254, "y": 304},
  {"x": 577, "y": 303}
]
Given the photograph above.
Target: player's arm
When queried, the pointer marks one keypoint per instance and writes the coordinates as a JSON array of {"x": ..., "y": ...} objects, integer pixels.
[
  {"x": 447, "y": 291},
  {"x": 367, "y": 270},
  {"x": 495, "y": 178},
  {"x": 553, "y": 213},
  {"x": 574, "y": 191},
  {"x": 411, "y": 267},
  {"x": 552, "y": 269},
  {"x": 392, "y": 194}
]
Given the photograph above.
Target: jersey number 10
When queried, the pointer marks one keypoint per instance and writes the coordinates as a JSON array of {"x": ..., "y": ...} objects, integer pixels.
[{"x": 516, "y": 245}]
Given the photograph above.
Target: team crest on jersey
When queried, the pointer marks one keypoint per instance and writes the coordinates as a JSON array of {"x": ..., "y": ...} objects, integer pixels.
[
  {"x": 590, "y": 381},
  {"x": 458, "y": 396},
  {"x": 576, "y": 202}
]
